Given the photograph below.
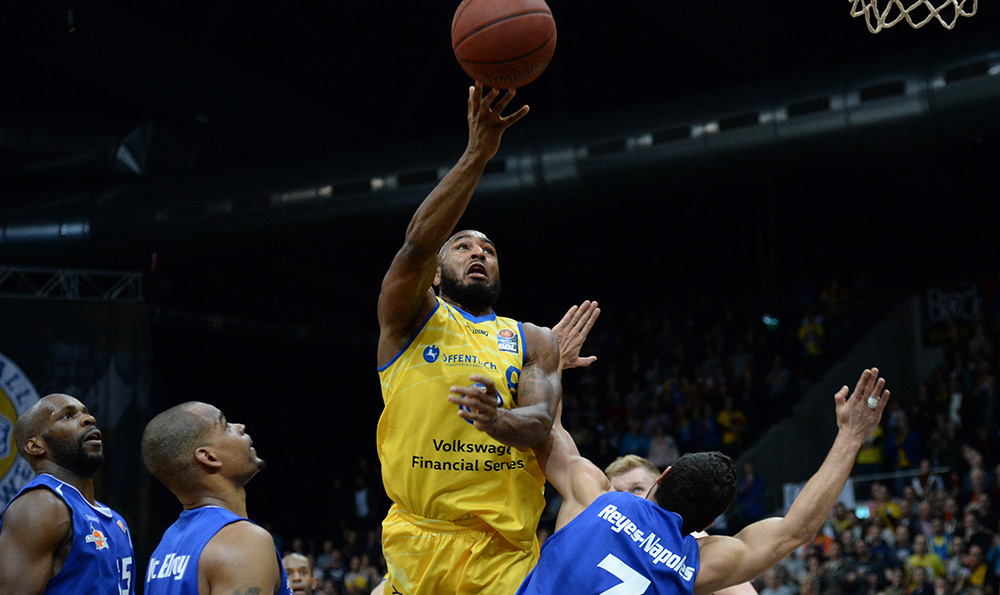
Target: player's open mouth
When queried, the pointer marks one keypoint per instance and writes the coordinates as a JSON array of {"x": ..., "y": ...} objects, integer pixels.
[
  {"x": 93, "y": 436},
  {"x": 478, "y": 271}
]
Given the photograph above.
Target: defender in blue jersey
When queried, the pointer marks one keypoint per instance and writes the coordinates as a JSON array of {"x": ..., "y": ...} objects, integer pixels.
[
  {"x": 55, "y": 537},
  {"x": 213, "y": 547},
  {"x": 616, "y": 543}
]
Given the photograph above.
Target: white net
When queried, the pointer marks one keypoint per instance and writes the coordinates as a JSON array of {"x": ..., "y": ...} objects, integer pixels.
[{"x": 917, "y": 13}]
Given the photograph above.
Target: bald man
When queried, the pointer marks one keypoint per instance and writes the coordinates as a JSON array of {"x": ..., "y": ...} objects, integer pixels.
[
  {"x": 54, "y": 535},
  {"x": 300, "y": 573},
  {"x": 212, "y": 549},
  {"x": 466, "y": 489}
]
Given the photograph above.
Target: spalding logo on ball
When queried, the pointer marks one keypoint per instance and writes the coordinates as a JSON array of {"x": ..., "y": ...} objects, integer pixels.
[{"x": 503, "y": 44}]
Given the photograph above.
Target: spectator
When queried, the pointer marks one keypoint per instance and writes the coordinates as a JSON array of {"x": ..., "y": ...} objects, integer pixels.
[
  {"x": 634, "y": 441},
  {"x": 838, "y": 574},
  {"x": 939, "y": 541},
  {"x": 903, "y": 544},
  {"x": 356, "y": 579},
  {"x": 926, "y": 481},
  {"x": 842, "y": 520},
  {"x": 921, "y": 582},
  {"x": 881, "y": 550},
  {"x": 922, "y": 557},
  {"x": 324, "y": 560},
  {"x": 870, "y": 458},
  {"x": 775, "y": 582},
  {"x": 733, "y": 424},
  {"x": 974, "y": 533},
  {"x": 955, "y": 564},
  {"x": 896, "y": 581},
  {"x": 902, "y": 450},
  {"x": 925, "y": 518},
  {"x": 751, "y": 495},
  {"x": 978, "y": 575},
  {"x": 882, "y": 507},
  {"x": 663, "y": 450}
]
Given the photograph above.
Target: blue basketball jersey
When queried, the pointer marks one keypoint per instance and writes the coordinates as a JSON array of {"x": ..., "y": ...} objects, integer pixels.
[
  {"x": 100, "y": 560},
  {"x": 620, "y": 544},
  {"x": 173, "y": 567}
]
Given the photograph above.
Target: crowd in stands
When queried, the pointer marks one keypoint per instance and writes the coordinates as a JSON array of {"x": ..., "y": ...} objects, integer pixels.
[{"x": 698, "y": 374}]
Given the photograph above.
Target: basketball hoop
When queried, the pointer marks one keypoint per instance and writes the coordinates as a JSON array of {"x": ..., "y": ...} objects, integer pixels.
[{"x": 917, "y": 14}]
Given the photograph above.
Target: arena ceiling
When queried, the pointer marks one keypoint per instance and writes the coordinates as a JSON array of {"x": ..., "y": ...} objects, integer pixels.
[
  {"x": 195, "y": 88},
  {"x": 228, "y": 84}
]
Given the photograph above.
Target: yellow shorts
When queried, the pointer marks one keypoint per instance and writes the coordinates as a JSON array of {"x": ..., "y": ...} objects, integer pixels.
[{"x": 431, "y": 557}]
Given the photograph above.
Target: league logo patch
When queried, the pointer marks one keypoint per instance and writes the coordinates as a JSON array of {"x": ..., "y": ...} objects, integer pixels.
[
  {"x": 121, "y": 526},
  {"x": 97, "y": 538},
  {"x": 507, "y": 341}
]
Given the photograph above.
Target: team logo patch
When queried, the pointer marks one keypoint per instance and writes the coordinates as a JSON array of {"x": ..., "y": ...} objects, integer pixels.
[
  {"x": 431, "y": 354},
  {"x": 97, "y": 538},
  {"x": 16, "y": 395},
  {"x": 507, "y": 341}
]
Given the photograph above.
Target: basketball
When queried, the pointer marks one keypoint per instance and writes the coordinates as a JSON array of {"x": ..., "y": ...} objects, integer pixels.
[{"x": 503, "y": 44}]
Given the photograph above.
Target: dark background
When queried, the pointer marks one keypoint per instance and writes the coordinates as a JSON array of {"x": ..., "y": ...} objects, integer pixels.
[{"x": 274, "y": 321}]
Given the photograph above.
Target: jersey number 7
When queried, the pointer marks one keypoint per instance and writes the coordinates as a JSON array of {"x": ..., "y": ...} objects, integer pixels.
[{"x": 633, "y": 583}]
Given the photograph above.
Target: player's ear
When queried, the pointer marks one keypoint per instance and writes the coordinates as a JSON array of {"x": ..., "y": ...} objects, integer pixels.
[
  {"x": 662, "y": 475},
  {"x": 206, "y": 457},
  {"x": 437, "y": 277},
  {"x": 35, "y": 446}
]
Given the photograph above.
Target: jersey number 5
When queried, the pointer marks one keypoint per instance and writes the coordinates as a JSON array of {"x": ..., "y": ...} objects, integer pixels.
[{"x": 633, "y": 583}]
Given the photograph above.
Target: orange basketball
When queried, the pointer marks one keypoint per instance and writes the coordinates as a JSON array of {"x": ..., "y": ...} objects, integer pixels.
[{"x": 503, "y": 43}]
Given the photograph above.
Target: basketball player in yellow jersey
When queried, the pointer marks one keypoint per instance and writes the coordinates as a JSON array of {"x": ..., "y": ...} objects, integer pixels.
[{"x": 465, "y": 486}]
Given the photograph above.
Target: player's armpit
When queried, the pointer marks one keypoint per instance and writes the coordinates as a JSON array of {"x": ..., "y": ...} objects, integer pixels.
[
  {"x": 728, "y": 561},
  {"x": 239, "y": 559},
  {"x": 37, "y": 532}
]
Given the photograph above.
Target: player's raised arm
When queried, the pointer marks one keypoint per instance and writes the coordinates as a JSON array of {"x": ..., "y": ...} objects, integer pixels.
[
  {"x": 727, "y": 561},
  {"x": 36, "y": 530},
  {"x": 406, "y": 288}
]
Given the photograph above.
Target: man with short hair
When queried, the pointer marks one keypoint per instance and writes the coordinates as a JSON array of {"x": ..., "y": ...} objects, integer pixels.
[
  {"x": 300, "y": 574},
  {"x": 212, "y": 549},
  {"x": 464, "y": 482},
  {"x": 636, "y": 475},
  {"x": 632, "y": 473},
  {"x": 55, "y": 537},
  {"x": 614, "y": 539}
]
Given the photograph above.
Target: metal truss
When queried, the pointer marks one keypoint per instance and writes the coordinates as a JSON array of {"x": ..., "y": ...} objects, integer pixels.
[{"x": 70, "y": 284}]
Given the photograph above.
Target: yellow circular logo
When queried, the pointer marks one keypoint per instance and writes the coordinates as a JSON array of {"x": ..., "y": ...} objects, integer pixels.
[{"x": 16, "y": 395}]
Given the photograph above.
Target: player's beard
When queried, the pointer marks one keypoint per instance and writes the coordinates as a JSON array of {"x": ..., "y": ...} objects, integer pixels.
[
  {"x": 474, "y": 296},
  {"x": 73, "y": 457}
]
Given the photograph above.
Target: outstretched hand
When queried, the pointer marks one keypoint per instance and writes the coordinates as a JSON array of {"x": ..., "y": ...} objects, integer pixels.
[
  {"x": 571, "y": 332},
  {"x": 486, "y": 120},
  {"x": 478, "y": 402},
  {"x": 861, "y": 413}
]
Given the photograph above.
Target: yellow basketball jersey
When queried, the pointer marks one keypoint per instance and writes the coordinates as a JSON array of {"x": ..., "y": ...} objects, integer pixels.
[{"x": 434, "y": 463}]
